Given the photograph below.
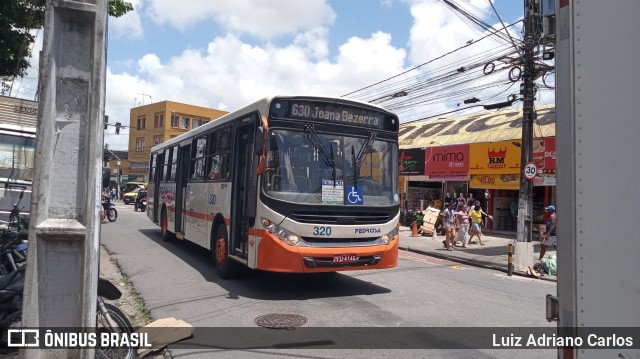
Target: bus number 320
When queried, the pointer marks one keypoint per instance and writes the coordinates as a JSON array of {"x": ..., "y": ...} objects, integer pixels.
[{"x": 321, "y": 231}]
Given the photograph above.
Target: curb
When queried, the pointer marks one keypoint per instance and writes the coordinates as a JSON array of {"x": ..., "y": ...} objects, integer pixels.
[{"x": 471, "y": 262}]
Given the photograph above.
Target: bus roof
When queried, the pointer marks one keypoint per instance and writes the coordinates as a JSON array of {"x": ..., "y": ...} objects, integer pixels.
[{"x": 259, "y": 106}]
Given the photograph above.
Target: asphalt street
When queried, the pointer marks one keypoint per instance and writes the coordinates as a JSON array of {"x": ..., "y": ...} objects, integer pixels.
[{"x": 179, "y": 280}]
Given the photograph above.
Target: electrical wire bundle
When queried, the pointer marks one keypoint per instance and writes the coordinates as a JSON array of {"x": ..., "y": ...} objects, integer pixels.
[{"x": 459, "y": 86}]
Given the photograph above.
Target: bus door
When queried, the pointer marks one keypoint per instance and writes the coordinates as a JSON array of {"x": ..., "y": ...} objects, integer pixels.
[
  {"x": 156, "y": 183},
  {"x": 240, "y": 211},
  {"x": 182, "y": 178}
]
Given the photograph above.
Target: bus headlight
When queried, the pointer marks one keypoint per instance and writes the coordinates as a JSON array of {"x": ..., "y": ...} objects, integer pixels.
[
  {"x": 282, "y": 234},
  {"x": 389, "y": 236}
]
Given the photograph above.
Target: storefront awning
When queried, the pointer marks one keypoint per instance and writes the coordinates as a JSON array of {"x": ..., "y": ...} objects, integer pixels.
[{"x": 481, "y": 127}]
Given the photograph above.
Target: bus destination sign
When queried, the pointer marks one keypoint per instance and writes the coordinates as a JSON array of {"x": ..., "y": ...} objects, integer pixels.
[{"x": 331, "y": 112}]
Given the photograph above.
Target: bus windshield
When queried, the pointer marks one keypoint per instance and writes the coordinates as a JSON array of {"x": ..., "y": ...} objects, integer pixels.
[
  {"x": 16, "y": 158},
  {"x": 318, "y": 168}
]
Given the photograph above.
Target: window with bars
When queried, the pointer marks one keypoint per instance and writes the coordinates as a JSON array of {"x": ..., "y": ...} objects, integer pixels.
[{"x": 140, "y": 144}]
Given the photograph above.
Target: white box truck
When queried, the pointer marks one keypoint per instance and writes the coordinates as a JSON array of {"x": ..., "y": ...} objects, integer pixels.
[{"x": 598, "y": 145}]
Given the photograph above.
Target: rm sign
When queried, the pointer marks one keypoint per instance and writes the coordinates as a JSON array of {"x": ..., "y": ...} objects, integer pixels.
[{"x": 530, "y": 171}]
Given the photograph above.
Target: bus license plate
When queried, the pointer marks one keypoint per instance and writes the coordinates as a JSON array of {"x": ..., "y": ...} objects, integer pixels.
[{"x": 345, "y": 258}]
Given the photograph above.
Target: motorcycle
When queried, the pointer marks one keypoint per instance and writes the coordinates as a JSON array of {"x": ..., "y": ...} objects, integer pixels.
[
  {"x": 407, "y": 217},
  {"x": 141, "y": 202},
  {"x": 110, "y": 208},
  {"x": 109, "y": 319},
  {"x": 13, "y": 241}
]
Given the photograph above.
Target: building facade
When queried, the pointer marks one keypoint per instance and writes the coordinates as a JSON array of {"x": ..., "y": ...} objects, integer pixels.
[
  {"x": 478, "y": 156},
  {"x": 18, "y": 112},
  {"x": 158, "y": 122}
]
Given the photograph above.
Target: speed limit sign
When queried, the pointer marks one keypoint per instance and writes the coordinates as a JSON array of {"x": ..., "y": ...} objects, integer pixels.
[{"x": 530, "y": 171}]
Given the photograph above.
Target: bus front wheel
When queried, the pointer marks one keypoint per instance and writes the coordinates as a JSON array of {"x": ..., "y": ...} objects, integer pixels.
[{"x": 225, "y": 266}]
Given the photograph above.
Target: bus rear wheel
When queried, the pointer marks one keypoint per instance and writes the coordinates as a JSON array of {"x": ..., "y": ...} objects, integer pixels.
[
  {"x": 225, "y": 266},
  {"x": 166, "y": 235}
]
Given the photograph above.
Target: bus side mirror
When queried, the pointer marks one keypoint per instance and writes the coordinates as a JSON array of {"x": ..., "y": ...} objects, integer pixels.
[
  {"x": 106, "y": 176},
  {"x": 258, "y": 142}
]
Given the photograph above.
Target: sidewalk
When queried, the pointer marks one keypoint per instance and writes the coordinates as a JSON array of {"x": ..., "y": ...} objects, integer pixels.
[{"x": 493, "y": 255}]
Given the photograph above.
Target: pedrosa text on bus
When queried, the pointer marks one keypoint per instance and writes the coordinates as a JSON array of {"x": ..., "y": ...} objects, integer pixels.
[{"x": 368, "y": 230}]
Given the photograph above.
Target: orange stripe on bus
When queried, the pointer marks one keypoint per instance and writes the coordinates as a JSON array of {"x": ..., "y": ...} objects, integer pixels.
[{"x": 198, "y": 215}]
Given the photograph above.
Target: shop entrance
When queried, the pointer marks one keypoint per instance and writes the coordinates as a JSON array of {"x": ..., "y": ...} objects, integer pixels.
[{"x": 420, "y": 193}]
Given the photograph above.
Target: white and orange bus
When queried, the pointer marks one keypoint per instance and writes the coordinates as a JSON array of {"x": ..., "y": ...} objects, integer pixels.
[{"x": 287, "y": 184}]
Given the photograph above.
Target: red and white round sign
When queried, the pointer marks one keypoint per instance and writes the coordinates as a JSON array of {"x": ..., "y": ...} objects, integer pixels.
[{"x": 530, "y": 171}]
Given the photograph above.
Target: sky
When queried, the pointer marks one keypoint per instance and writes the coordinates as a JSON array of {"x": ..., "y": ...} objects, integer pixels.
[{"x": 227, "y": 54}]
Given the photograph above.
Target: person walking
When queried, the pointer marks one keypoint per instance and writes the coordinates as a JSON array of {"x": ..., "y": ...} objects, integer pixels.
[
  {"x": 462, "y": 225},
  {"x": 461, "y": 201},
  {"x": 476, "y": 222},
  {"x": 549, "y": 238},
  {"x": 448, "y": 198},
  {"x": 449, "y": 227}
]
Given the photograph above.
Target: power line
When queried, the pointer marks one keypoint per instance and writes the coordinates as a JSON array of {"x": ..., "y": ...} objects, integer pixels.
[{"x": 430, "y": 61}]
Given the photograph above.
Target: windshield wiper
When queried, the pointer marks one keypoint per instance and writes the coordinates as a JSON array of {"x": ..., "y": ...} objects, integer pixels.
[
  {"x": 327, "y": 158},
  {"x": 366, "y": 147},
  {"x": 357, "y": 160}
]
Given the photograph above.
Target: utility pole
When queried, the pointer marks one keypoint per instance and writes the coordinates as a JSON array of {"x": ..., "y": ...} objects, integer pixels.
[
  {"x": 524, "y": 246},
  {"x": 106, "y": 147},
  {"x": 61, "y": 278}
]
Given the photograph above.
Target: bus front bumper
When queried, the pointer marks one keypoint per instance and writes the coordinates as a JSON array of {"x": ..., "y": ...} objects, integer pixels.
[{"x": 276, "y": 256}]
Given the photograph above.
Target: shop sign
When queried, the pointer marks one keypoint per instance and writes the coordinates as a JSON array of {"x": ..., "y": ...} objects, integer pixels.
[
  {"x": 505, "y": 181},
  {"x": 25, "y": 109},
  {"x": 447, "y": 160},
  {"x": 501, "y": 157},
  {"x": 411, "y": 161},
  {"x": 544, "y": 154},
  {"x": 545, "y": 180}
]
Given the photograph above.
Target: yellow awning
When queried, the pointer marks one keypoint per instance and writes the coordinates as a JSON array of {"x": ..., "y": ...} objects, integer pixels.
[{"x": 482, "y": 127}]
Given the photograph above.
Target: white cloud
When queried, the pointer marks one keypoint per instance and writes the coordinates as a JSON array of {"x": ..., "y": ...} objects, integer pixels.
[
  {"x": 437, "y": 30},
  {"x": 259, "y": 18},
  {"x": 231, "y": 73},
  {"x": 128, "y": 26}
]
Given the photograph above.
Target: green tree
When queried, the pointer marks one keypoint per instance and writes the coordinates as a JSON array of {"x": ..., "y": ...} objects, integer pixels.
[{"x": 17, "y": 18}]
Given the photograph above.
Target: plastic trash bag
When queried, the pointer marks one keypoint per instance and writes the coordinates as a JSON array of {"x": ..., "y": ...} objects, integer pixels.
[{"x": 549, "y": 264}]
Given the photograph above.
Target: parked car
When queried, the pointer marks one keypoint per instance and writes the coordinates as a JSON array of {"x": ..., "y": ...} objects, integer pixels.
[
  {"x": 131, "y": 196},
  {"x": 129, "y": 188}
]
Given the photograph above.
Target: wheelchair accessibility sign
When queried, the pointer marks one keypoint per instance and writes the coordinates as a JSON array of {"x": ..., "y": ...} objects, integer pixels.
[{"x": 354, "y": 195}]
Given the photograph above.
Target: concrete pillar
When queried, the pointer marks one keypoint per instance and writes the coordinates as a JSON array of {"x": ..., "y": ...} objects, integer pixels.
[{"x": 62, "y": 268}]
